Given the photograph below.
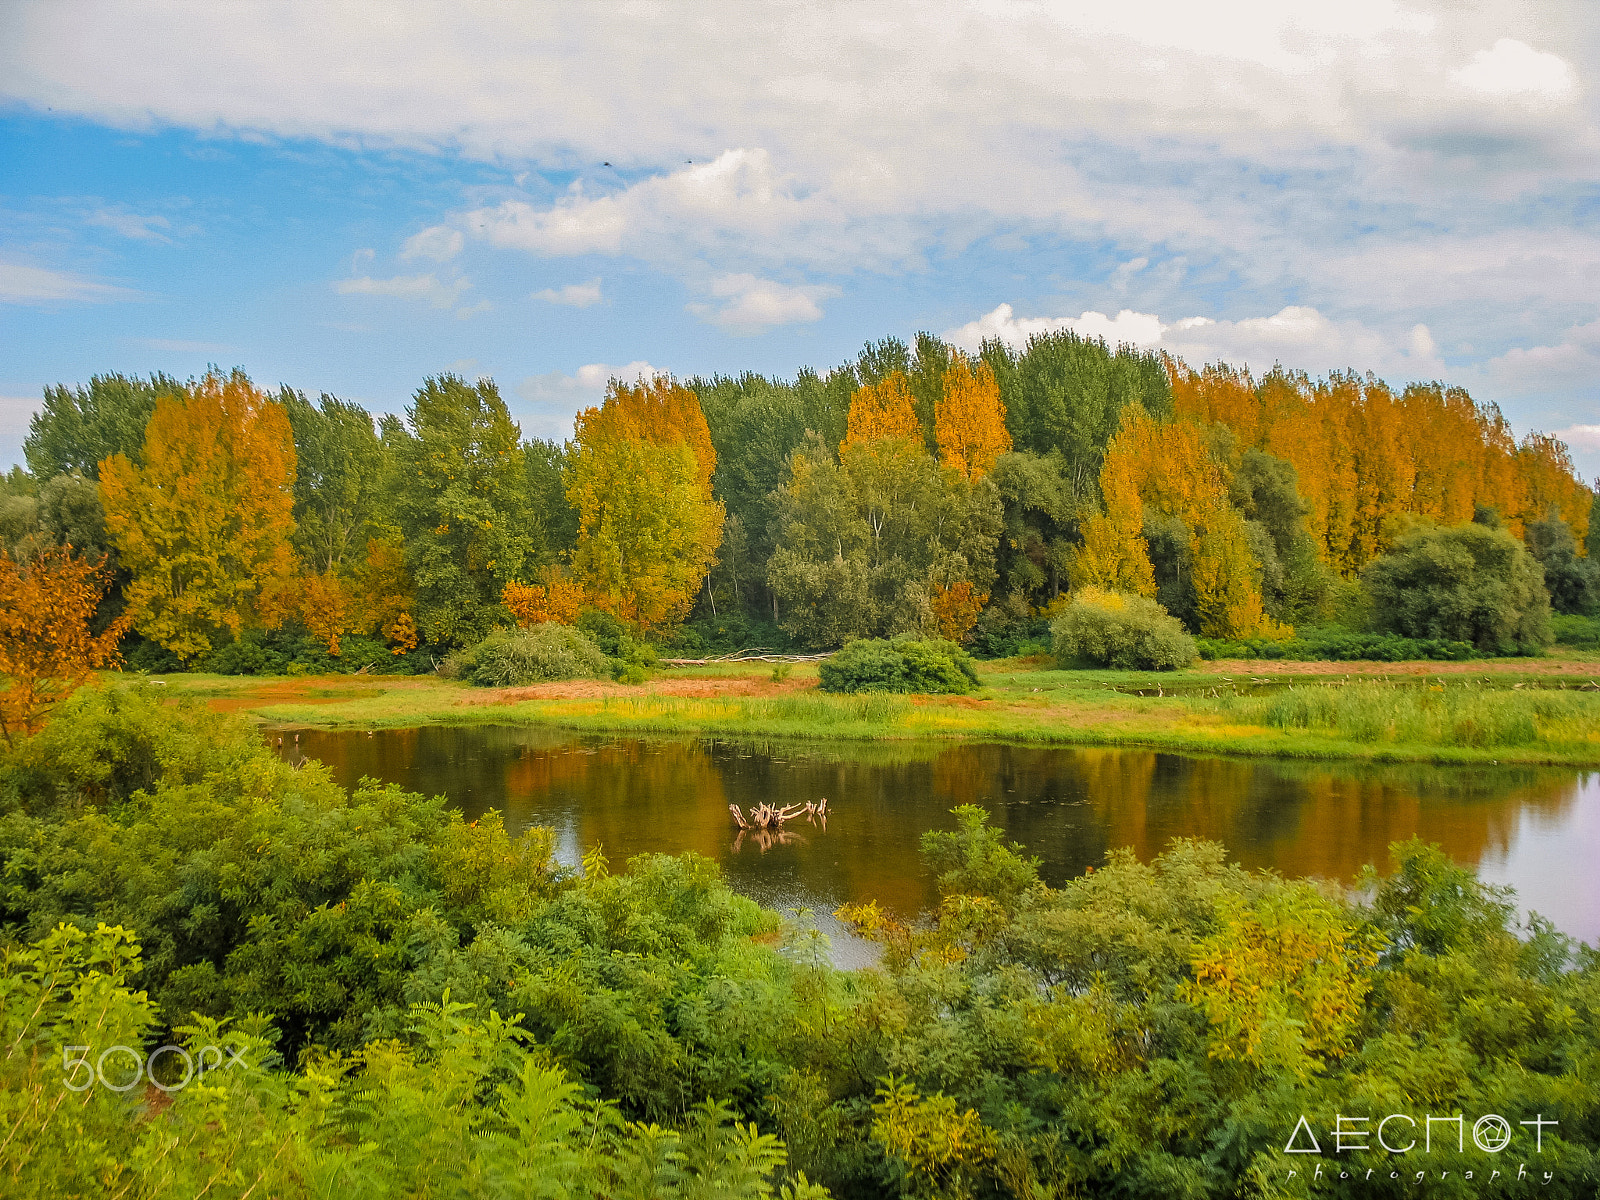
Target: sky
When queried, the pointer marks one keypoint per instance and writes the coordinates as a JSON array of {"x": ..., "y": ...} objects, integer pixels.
[{"x": 347, "y": 197}]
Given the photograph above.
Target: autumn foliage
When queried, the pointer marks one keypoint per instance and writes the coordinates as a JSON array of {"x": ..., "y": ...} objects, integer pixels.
[
  {"x": 556, "y": 599},
  {"x": 1365, "y": 455},
  {"x": 970, "y": 418},
  {"x": 47, "y": 649},
  {"x": 640, "y": 480},
  {"x": 883, "y": 410},
  {"x": 956, "y": 607},
  {"x": 204, "y": 522}
]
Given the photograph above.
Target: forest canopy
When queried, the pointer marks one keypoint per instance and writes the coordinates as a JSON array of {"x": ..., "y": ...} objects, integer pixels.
[{"x": 916, "y": 490}]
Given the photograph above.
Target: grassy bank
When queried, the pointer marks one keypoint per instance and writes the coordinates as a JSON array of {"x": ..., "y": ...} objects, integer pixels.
[{"x": 1524, "y": 711}]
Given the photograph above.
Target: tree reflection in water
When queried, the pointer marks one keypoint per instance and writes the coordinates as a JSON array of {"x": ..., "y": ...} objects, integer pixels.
[{"x": 1068, "y": 806}]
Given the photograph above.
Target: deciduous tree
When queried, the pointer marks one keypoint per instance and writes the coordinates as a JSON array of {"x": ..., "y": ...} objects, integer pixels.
[
  {"x": 462, "y": 506},
  {"x": 970, "y": 418},
  {"x": 203, "y": 523},
  {"x": 640, "y": 480},
  {"x": 47, "y": 647}
]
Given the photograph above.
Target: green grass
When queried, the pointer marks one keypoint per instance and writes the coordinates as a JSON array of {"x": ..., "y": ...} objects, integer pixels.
[
  {"x": 1508, "y": 712},
  {"x": 1445, "y": 715}
]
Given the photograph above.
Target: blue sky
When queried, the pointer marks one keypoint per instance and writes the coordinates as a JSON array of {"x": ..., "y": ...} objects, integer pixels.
[{"x": 347, "y": 198}]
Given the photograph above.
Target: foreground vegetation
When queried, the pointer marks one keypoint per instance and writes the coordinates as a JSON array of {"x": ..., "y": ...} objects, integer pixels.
[{"x": 404, "y": 1004}]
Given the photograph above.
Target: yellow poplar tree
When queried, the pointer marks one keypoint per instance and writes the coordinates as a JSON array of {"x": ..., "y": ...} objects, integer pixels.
[
  {"x": 883, "y": 410},
  {"x": 648, "y": 527},
  {"x": 204, "y": 523},
  {"x": 969, "y": 418}
]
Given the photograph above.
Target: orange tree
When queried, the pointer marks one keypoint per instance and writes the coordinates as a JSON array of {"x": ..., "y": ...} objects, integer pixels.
[
  {"x": 203, "y": 523},
  {"x": 640, "y": 480},
  {"x": 46, "y": 644}
]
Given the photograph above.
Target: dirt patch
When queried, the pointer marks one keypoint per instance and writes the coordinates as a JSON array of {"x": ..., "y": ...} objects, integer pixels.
[{"x": 285, "y": 693}]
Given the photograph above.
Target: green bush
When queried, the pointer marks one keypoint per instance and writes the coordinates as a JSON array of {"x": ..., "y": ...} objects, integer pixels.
[
  {"x": 518, "y": 657},
  {"x": 1114, "y": 629},
  {"x": 1466, "y": 583},
  {"x": 1582, "y": 632},
  {"x": 1338, "y": 645},
  {"x": 901, "y": 664}
]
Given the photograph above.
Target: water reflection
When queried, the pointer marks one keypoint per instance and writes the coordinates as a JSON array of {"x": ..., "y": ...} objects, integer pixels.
[{"x": 1535, "y": 828}]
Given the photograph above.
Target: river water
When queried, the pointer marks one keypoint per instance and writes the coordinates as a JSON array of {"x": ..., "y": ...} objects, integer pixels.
[{"x": 1536, "y": 829}]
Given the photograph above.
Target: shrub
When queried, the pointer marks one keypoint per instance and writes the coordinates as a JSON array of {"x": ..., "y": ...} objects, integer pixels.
[
  {"x": 517, "y": 657},
  {"x": 1583, "y": 632},
  {"x": 1339, "y": 645},
  {"x": 1467, "y": 583},
  {"x": 901, "y": 664},
  {"x": 1115, "y": 629}
]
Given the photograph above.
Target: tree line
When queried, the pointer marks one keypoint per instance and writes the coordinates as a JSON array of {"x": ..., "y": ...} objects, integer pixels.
[{"x": 916, "y": 489}]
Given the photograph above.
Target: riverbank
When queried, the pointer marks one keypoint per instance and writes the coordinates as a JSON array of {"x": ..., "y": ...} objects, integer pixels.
[{"x": 1504, "y": 710}]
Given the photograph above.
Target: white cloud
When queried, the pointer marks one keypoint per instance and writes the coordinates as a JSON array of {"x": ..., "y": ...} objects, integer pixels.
[
  {"x": 1581, "y": 437},
  {"x": 550, "y": 401},
  {"x": 130, "y": 225},
  {"x": 441, "y": 294},
  {"x": 1139, "y": 329},
  {"x": 15, "y": 412},
  {"x": 1296, "y": 336},
  {"x": 739, "y": 202},
  {"x": 750, "y": 305},
  {"x": 438, "y": 242},
  {"x": 1573, "y": 363},
  {"x": 574, "y": 295},
  {"x": 1513, "y": 68},
  {"x": 1394, "y": 162},
  {"x": 21, "y": 284}
]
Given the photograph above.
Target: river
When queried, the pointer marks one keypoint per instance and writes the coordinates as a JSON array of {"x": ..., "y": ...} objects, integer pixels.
[{"x": 1536, "y": 829}]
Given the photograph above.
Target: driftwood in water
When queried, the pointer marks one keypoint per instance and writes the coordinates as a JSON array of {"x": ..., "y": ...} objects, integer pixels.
[{"x": 765, "y": 816}]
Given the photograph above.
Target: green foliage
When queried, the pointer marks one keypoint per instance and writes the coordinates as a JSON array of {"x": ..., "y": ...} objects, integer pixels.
[
  {"x": 1468, "y": 583},
  {"x": 1583, "y": 632},
  {"x": 1266, "y": 490},
  {"x": 463, "y": 1107},
  {"x": 1114, "y": 629},
  {"x": 464, "y": 1018},
  {"x": 537, "y": 654},
  {"x": 1332, "y": 644},
  {"x": 861, "y": 542},
  {"x": 1065, "y": 394},
  {"x": 78, "y": 428},
  {"x": 901, "y": 664},
  {"x": 290, "y": 649},
  {"x": 1573, "y": 582},
  {"x": 338, "y": 486},
  {"x": 254, "y": 886},
  {"x": 462, "y": 505}
]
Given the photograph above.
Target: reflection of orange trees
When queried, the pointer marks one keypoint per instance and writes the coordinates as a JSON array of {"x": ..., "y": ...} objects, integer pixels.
[{"x": 1341, "y": 823}]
